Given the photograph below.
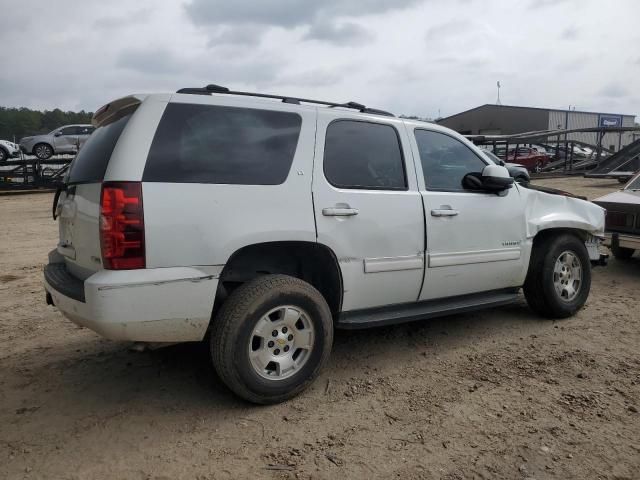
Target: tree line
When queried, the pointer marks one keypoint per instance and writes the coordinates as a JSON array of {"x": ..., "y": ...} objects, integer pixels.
[{"x": 16, "y": 123}]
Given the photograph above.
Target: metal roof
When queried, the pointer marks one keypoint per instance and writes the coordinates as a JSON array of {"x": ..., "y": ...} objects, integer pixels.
[{"x": 531, "y": 108}]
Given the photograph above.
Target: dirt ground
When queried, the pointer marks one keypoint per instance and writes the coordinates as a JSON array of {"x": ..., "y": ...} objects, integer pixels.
[{"x": 495, "y": 394}]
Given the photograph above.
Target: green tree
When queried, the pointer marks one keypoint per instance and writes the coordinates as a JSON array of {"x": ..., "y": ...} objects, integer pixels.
[{"x": 16, "y": 123}]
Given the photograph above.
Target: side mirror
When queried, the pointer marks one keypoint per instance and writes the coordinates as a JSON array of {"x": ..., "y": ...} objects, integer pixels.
[
  {"x": 57, "y": 134},
  {"x": 494, "y": 179},
  {"x": 501, "y": 163}
]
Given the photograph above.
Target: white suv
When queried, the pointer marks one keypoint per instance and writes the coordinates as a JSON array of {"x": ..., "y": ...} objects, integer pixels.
[{"x": 262, "y": 224}]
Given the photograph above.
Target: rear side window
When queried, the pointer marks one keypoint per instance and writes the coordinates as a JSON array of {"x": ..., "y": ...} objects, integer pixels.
[
  {"x": 363, "y": 155},
  {"x": 91, "y": 162},
  {"x": 215, "y": 144}
]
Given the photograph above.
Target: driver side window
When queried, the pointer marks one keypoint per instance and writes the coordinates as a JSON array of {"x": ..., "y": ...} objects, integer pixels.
[{"x": 445, "y": 160}]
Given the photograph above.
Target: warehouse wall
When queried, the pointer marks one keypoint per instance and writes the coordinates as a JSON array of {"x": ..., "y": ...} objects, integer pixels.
[{"x": 558, "y": 119}]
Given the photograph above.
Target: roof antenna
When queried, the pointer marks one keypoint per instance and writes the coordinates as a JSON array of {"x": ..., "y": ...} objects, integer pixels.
[{"x": 498, "y": 102}]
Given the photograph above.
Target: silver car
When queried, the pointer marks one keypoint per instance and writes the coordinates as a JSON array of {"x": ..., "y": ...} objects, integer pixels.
[{"x": 66, "y": 139}]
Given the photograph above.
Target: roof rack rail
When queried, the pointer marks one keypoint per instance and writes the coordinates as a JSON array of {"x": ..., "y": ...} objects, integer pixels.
[{"x": 209, "y": 89}]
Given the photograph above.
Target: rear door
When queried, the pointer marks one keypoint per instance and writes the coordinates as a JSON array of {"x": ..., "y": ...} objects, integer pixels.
[
  {"x": 368, "y": 209},
  {"x": 83, "y": 134}
]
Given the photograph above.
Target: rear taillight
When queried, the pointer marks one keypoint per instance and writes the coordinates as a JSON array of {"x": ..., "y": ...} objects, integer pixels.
[{"x": 122, "y": 226}]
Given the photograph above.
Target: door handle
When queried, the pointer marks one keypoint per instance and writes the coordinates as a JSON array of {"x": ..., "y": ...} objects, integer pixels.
[
  {"x": 339, "y": 212},
  {"x": 444, "y": 212}
]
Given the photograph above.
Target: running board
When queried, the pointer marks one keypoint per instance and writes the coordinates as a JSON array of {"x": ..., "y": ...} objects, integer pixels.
[{"x": 408, "y": 312}]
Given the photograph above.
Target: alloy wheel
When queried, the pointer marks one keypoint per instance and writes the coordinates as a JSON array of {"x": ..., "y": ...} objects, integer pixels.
[
  {"x": 567, "y": 275},
  {"x": 281, "y": 342}
]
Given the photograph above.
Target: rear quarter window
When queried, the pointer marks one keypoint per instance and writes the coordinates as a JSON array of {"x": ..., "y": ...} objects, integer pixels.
[
  {"x": 216, "y": 144},
  {"x": 92, "y": 160}
]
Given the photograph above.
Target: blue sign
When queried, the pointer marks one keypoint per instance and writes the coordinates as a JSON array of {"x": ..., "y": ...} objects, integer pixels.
[{"x": 610, "y": 121}]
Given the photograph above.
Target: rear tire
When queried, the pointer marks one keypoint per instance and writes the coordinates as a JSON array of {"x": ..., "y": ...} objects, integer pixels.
[
  {"x": 622, "y": 253},
  {"x": 559, "y": 276},
  {"x": 271, "y": 338},
  {"x": 43, "y": 151}
]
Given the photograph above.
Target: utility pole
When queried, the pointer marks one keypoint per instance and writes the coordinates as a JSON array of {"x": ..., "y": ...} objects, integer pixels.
[{"x": 498, "y": 102}]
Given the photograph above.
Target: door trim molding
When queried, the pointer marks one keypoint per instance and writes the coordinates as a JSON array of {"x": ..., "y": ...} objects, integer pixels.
[
  {"x": 476, "y": 256},
  {"x": 393, "y": 264}
]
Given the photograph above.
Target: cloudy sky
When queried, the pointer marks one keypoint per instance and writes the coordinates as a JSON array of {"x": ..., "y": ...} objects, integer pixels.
[{"x": 414, "y": 57}]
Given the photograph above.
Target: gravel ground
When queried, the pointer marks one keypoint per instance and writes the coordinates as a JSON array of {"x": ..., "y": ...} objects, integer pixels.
[{"x": 495, "y": 394}]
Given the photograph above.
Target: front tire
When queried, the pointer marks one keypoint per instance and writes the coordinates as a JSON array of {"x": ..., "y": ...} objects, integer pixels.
[
  {"x": 559, "y": 276},
  {"x": 3, "y": 155},
  {"x": 271, "y": 338},
  {"x": 43, "y": 151}
]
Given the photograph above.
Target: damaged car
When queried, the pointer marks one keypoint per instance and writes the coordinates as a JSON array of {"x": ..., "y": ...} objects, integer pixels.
[
  {"x": 622, "y": 221},
  {"x": 262, "y": 223}
]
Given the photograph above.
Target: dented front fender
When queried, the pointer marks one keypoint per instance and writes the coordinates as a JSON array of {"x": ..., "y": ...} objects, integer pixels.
[{"x": 544, "y": 211}]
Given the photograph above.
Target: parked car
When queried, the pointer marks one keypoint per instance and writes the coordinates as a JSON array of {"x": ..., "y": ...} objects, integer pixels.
[
  {"x": 519, "y": 173},
  {"x": 263, "y": 225},
  {"x": 541, "y": 150},
  {"x": 67, "y": 139},
  {"x": 8, "y": 150},
  {"x": 529, "y": 157},
  {"x": 623, "y": 219}
]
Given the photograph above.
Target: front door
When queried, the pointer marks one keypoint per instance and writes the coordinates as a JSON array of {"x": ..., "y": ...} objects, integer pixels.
[
  {"x": 368, "y": 209},
  {"x": 67, "y": 141},
  {"x": 475, "y": 240}
]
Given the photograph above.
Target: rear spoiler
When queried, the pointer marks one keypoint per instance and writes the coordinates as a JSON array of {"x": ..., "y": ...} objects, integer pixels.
[{"x": 105, "y": 113}]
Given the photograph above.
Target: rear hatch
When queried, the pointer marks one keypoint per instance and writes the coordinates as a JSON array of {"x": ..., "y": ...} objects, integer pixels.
[{"x": 78, "y": 207}]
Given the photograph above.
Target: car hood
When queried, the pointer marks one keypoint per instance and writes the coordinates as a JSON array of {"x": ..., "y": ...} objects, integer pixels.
[
  {"x": 551, "y": 210},
  {"x": 623, "y": 196},
  {"x": 34, "y": 137},
  {"x": 515, "y": 165}
]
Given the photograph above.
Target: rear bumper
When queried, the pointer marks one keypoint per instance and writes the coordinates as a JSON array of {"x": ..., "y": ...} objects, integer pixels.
[
  {"x": 148, "y": 305},
  {"x": 622, "y": 240}
]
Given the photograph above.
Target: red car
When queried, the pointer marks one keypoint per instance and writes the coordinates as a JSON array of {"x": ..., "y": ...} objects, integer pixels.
[{"x": 528, "y": 157}]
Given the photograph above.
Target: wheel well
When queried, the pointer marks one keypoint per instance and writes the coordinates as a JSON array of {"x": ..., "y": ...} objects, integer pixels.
[
  {"x": 550, "y": 232},
  {"x": 312, "y": 262}
]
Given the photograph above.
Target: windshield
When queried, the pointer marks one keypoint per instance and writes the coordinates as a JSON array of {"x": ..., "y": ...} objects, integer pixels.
[
  {"x": 635, "y": 184},
  {"x": 492, "y": 156}
]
